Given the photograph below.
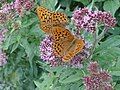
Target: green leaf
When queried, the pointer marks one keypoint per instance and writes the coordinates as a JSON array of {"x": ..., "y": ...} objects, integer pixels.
[
  {"x": 115, "y": 31},
  {"x": 10, "y": 39},
  {"x": 109, "y": 43},
  {"x": 27, "y": 47},
  {"x": 76, "y": 85},
  {"x": 116, "y": 73},
  {"x": 72, "y": 78},
  {"x": 29, "y": 52},
  {"x": 99, "y": 0},
  {"x": 65, "y": 3},
  {"x": 118, "y": 63},
  {"x": 15, "y": 46},
  {"x": 27, "y": 21},
  {"x": 38, "y": 84},
  {"x": 111, "y": 6},
  {"x": 50, "y": 4},
  {"x": 85, "y": 2},
  {"x": 117, "y": 87}
]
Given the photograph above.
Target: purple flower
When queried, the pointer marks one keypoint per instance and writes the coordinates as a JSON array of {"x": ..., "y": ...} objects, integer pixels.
[
  {"x": 7, "y": 7},
  {"x": 17, "y": 5},
  {"x": 3, "y": 58},
  {"x": 106, "y": 18},
  {"x": 80, "y": 57},
  {"x": 28, "y": 5},
  {"x": 98, "y": 79},
  {"x": 46, "y": 51},
  {"x": 93, "y": 67},
  {"x": 87, "y": 19}
]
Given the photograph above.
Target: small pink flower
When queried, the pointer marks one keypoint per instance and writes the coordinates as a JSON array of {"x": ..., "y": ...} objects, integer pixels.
[
  {"x": 93, "y": 67},
  {"x": 46, "y": 50},
  {"x": 97, "y": 80},
  {"x": 87, "y": 19}
]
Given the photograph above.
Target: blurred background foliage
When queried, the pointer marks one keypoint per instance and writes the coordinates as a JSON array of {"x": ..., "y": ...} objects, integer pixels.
[{"x": 26, "y": 71}]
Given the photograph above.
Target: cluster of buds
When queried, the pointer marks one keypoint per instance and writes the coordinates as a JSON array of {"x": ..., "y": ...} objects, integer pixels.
[
  {"x": 87, "y": 19},
  {"x": 98, "y": 79}
]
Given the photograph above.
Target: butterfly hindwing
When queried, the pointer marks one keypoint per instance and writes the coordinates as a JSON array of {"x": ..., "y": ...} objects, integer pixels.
[{"x": 66, "y": 45}]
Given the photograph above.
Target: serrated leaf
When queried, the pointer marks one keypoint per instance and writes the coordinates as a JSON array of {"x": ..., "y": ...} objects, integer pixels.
[{"x": 111, "y": 6}]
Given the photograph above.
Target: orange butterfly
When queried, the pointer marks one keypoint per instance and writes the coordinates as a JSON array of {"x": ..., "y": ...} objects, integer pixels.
[{"x": 65, "y": 44}]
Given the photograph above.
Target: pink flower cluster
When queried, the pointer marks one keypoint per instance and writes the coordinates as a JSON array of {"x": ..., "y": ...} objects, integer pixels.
[
  {"x": 48, "y": 55},
  {"x": 18, "y": 5},
  {"x": 87, "y": 19},
  {"x": 98, "y": 79},
  {"x": 47, "y": 51}
]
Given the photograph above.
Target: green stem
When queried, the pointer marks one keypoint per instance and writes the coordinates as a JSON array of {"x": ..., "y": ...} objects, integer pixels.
[
  {"x": 95, "y": 42},
  {"x": 102, "y": 34},
  {"x": 97, "y": 38},
  {"x": 90, "y": 6}
]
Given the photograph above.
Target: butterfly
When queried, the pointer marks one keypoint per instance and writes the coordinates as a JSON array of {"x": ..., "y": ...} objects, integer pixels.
[{"x": 65, "y": 44}]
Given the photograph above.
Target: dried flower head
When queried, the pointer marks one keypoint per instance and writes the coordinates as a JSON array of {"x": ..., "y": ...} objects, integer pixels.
[
  {"x": 3, "y": 18},
  {"x": 98, "y": 79}
]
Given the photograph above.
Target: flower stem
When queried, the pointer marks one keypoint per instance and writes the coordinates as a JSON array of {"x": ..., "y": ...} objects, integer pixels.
[{"x": 95, "y": 42}]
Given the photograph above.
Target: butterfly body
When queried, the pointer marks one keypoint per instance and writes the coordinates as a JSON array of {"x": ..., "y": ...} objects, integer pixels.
[{"x": 65, "y": 44}]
